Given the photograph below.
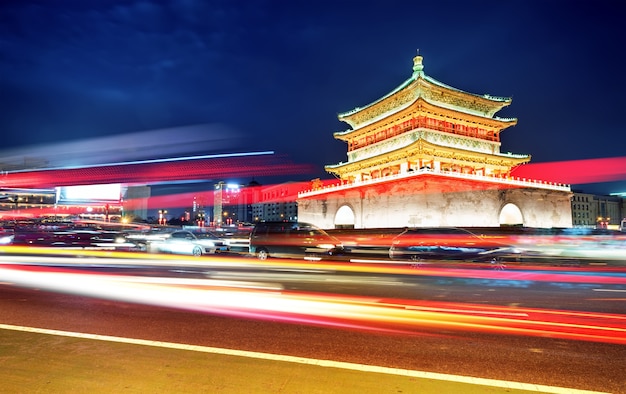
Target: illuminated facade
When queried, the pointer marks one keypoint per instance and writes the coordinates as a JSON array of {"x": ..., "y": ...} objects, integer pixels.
[
  {"x": 27, "y": 202},
  {"x": 597, "y": 211},
  {"x": 236, "y": 204},
  {"x": 277, "y": 203},
  {"x": 425, "y": 124},
  {"x": 428, "y": 154},
  {"x": 98, "y": 202},
  {"x": 232, "y": 203}
]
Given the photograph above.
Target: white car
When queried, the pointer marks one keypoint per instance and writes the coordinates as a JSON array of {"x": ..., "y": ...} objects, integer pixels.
[{"x": 195, "y": 243}]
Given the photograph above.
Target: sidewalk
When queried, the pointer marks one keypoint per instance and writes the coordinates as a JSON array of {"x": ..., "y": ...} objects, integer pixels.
[{"x": 50, "y": 363}]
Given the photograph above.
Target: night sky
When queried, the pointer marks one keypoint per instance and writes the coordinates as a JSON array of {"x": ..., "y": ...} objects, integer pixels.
[{"x": 234, "y": 76}]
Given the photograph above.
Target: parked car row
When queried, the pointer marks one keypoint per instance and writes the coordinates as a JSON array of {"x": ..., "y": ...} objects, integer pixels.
[
  {"x": 566, "y": 246},
  {"x": 304, "y": 240},
  {"x": 273, "y": 239},
  {"x": 287, "y": 239},
  {"x": 167, "y": 240}
]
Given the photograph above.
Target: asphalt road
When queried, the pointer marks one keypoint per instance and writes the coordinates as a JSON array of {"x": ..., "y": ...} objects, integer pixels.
[{"x": 545, "y": 360}]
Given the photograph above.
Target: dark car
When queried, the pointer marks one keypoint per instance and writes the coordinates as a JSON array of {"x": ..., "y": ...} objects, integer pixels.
[
  {"x": 292, "y": 239},
  {"x": 443, "y": 243}
]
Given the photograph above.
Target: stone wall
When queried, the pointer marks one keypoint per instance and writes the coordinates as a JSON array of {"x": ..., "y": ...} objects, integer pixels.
[{"x": 429, "y": 200}]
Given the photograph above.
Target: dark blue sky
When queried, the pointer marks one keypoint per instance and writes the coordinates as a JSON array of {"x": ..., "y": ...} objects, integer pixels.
[{"x": 277, "y": 73}]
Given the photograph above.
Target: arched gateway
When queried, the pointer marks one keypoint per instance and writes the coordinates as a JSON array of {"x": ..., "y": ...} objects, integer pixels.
[
  {"x": 344, "y": 217},
  {"x": 510, "y": 215}
]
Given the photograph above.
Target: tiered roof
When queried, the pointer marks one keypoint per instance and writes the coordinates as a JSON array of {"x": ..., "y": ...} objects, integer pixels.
[
  {"x": 420, "y": 99},
  {"x": 422, "y": 86}
]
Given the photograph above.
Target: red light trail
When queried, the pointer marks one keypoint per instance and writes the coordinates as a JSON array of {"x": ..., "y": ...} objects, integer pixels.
[
  {"x": 392, "y": 315},
  {"x": 575, "y": 171},
  {"x": 158, "y": 171}
]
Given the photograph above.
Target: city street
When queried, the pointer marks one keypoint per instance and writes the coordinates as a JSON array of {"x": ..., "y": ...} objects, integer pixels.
[
  {"x": 479, "y": 323},
  {"x": 305, "y": 197}
]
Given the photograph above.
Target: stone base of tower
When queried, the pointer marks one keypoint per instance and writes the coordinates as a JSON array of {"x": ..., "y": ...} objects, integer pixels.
[{"x": 430, "y": 200}]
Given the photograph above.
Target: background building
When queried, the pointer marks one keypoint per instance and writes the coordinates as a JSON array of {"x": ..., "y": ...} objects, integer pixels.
[
  {"x": 277, "y": 202},
  {"x": 233, "y": 203},
  {"x": 597, "y": 211},
  {"x": 97, "y": 202},
  {"x": 135, "y": 202},
  {"x": 29, "y": 202}
]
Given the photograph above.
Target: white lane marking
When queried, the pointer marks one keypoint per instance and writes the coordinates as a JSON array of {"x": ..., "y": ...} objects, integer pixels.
[
  {"x": 611, "y": 290},
  {"x": 374, "y": 261},
  {"x": 309, "y": 361}
]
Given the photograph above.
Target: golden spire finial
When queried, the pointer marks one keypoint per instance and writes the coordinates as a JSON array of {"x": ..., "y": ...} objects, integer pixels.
[{"x": 417, "y": 63}]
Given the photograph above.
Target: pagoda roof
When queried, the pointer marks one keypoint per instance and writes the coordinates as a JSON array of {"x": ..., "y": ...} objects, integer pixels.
[
  {"x": 496, "y": 122},
  {"x": 422, "y": 85},
  {"x": 424, "y": 147}
]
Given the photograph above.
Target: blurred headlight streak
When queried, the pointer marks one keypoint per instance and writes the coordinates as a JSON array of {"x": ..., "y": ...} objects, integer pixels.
[
  {"x": 512, "y": 275},
  {"x": 6, "y": 240},
  {"x": 252, "y": 299}
]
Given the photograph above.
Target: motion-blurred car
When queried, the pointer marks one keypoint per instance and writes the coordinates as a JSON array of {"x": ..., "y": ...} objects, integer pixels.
[
  {"x": 6, "y": 236},
  {"x": 69, "y": 238},
  {"x": 141, "y": 239},
  {"x": 196, "y": 243},
  {"x": 448, "y": 243},
  {"x": 292, "y": 239}
]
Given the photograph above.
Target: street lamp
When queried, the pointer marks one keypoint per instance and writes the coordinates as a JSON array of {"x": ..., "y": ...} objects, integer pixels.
[
  {"x": 162, "y": 213},
  {"x": 200, "y": 219}
]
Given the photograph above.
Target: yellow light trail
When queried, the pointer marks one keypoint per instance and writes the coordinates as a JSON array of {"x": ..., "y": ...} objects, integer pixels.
[{"x": 250, "y": 299}]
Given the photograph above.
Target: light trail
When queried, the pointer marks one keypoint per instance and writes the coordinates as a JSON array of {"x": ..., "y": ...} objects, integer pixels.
[
  {"x": 246, "y": 299},
  {"x": 575, "y": 171},
  {"x": 148, "y": 161},
  {"x": 10, "y": 254},
  {"x": 171, "y": 200},
  {"x": 221, "y": 166}
]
